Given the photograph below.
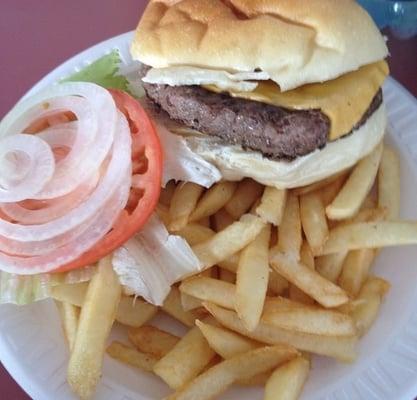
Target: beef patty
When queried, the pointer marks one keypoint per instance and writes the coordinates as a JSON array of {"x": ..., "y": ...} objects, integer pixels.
[{"x": 278, "y": 133}]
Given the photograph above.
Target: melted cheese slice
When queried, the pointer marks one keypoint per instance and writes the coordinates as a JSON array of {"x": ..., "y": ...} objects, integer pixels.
[{"x": 344, "y": 100}]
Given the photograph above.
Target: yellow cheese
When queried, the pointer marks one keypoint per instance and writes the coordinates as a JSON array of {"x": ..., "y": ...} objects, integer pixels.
[{"x": 344, "y": 100}]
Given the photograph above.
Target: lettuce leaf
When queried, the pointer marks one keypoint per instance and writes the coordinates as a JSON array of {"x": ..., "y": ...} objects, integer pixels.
[
  {"x": 104, "y": 72},
  {"x": 26, "y": 289},
  {"x": 152, "y": 260}
]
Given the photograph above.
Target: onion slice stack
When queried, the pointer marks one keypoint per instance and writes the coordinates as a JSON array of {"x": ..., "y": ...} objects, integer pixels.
[{"x": 63, "y": 187}]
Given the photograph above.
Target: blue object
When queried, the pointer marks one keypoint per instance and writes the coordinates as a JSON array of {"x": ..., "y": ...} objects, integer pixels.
[{"x": 399, "y": 16}]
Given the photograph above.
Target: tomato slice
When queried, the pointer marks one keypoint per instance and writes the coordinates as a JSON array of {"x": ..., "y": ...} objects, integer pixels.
[{"x": 147, "y": 172}]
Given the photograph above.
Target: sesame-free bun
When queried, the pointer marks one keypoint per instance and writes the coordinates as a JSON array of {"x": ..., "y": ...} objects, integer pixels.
[{"x": 294, "y": 41}]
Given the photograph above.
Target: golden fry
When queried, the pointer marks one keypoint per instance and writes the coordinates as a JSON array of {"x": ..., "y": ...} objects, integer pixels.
[
  {"x": 218, "y": 378},
  {"x": 96, "y": 319},
  {"x": 309, "y": 281},
  {"x": 272, "y": 206},
  {"x": 348, "y": 201},
  {"x": 389, "y": 183},
  {"x": 247, "y": 192},
  {"x": 182, "y": 204},
  {"x": 287, "y": 381},
  {"x": 186, "y": 359},
  {"x": 213, "y": 200},
  {"x": 252, "y": 279},
  {"x": 340, "y": 347},
  {"x": 130, "y": 356},
  {"x": 229, "y": 241},
  {"x": 151, "y": 340}
]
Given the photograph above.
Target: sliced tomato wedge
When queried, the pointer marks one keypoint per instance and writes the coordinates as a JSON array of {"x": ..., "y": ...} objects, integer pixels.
[{"x": 147, "y": 174}]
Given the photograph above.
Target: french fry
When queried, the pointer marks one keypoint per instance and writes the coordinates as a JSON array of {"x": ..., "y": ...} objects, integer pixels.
[
  {"x": 213, "y": 200},
  {"x": 256, "y": 380},
  {"x": 366, "y": 215},
  {"x": 226, "y": 343},
  {"x": 369, "y": 301},
  {"x": 183, "y": 202},
  {"x": 227, "y": 276},
  {"x": 96, "y": 319},
  {"x": 319, "y": 185},
  {"x": 230, "y": 264},
  {"x": 289, "y": 231},
  {"x": 252, "y": 279},
  {"x": 151, "y": 340},
  {"x": 172, "y": 306},
  {"x": 307, "y": 259},
  {"x": 313, "y": 221},
  {"x": 195, "y": 233},
  {"x": 276, "y": 283},
  {"x": 128, "y": 355},
  {"x": 309, "y": 281},
  {"x": 134, "y": 312},
  {"x": 389, "y": 183},
  {"x": 247, "y": 192},
  {"x": 355, "y": 270},
  {"x": 188, "y": 302},
  {"x": 294, "y": 316},
  {"x": 340, "y": 347},
  {"x": 69, "y": 318},
  {"x": 218, "y": 378},
  {"x": 329, "y": 192},
  {"x": 330, "y": 266},
  {"x": 186, "y": 359},
  {"x": 348, "y": 201},
  {"x": 209, "y": 289},
  {"x": 163, "y": 213},
  {"x": 72, "y": 293},
  {"x": 221, "y": 220},
  {"x": 167, "y": 192},
  {"x": 130, "y": 312},
  {"x": 271, "y": 208},
  {"x": 370, "y": 235},
  {"x": 229, "y": 241},
  {"x": 287, "y": 381},
  {"x": 306, "y": 256}
]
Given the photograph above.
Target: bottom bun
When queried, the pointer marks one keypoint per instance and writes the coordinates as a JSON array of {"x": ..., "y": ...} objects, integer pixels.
[{"x": 236, "y": 163}]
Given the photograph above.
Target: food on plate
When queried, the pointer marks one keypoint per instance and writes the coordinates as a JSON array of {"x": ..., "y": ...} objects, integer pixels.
[
  {"x": 218, "y": 378},
  {"x": 185, "y": 360},
  {"x": 96, "y": 319},
  {"x": 287, "y": 381},
  {"x": 130, "y": 356},
  {"x": 246, "y": 196},
  {"x": 281, "y": 93}
]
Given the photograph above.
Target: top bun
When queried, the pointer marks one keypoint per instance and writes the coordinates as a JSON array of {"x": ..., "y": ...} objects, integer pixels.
[{"x": 294, "y": 41}]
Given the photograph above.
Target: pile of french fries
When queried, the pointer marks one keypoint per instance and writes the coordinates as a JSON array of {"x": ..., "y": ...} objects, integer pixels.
[{"x": 287, "y": 274}]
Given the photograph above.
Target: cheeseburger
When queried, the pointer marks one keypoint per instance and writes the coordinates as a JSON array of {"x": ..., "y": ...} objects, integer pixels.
[{"x": 286, "y": 92}]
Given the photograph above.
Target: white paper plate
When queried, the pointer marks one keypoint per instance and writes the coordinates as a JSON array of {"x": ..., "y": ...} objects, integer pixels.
[{"x": 32, "y": 347}]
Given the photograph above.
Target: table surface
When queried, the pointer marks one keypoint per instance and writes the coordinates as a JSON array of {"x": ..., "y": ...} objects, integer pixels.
[{"x": 37, "y": 39}]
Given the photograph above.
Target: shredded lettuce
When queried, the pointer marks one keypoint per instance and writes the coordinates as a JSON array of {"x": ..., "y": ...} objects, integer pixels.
[
  {"x": 150, "y": 262},
  {"x": 26, "y": 289},
  {"x": 104, "y": 72}
]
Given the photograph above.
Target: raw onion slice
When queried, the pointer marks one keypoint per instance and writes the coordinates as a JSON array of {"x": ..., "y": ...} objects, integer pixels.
[
  {"x": 63, "y": 187},
  {"x": 96, "y": 114},
  {"x": 39, "y": 212},
  {"x": 26, "y": 165}
]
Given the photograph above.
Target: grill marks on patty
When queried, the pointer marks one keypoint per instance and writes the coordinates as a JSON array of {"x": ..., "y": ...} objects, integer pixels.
[{"x": 276, "y": 132}]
